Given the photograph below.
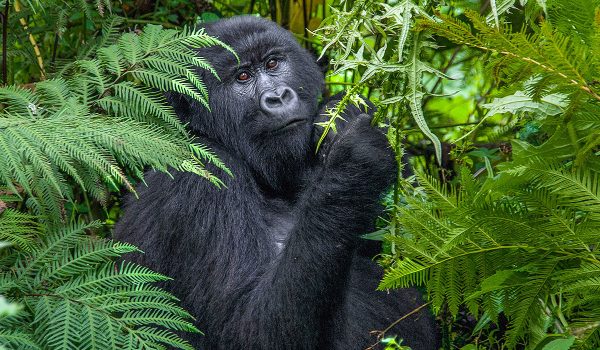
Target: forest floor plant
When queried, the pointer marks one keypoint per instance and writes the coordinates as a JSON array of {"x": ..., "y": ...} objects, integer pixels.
[
  {"x": 507, "y": 229},
  {"x": 83, "y": 129}
]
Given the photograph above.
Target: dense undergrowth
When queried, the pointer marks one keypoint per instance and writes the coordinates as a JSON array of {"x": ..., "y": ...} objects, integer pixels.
[
  {"x": 89, "y": 126},
  {"x": 504, "y": 224},
  {"x": 495, "y": 103}
]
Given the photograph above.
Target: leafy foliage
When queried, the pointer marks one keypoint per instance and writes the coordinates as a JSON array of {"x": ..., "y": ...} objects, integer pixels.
[
  {"x": 559, "y": 61},
  {"x": 391, "y": 62},
  {"x": 102, "y": 112},
  {"x": 88, "y": 127},
  {"x": 77, "y": 297},
  {"x": 509, "y": 237}
]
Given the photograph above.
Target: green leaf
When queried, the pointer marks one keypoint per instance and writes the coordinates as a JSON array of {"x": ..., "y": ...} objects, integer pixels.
[{"x": 560, "y": 344}]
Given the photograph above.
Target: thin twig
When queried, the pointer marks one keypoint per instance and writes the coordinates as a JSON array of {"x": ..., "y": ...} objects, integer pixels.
[
  {"x": 54, "y": 49},
  {"x": 381, "y": 334}
]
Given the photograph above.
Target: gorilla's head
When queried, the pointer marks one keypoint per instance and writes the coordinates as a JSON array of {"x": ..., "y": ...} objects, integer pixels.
[{"x": 264, "y": 106}]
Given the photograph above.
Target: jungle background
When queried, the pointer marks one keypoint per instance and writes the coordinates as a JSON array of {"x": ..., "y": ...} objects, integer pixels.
[{"x": 494, "y": 104}]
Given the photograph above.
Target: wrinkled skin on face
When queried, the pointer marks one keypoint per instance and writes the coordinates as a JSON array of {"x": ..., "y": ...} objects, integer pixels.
[{"x": 265, "y": 105}]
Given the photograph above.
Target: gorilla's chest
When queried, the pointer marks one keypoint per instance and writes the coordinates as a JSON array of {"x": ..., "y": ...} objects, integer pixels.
[{"x": 280, "y": 221}]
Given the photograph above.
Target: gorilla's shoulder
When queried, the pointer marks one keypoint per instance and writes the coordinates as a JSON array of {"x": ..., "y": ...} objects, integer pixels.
[{"x": 178, "y": 184}]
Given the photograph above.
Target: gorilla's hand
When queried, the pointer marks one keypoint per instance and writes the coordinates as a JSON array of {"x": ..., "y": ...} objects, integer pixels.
[
  {"x": 350, "y": 113},
  {"x": 361, "y": 154}
]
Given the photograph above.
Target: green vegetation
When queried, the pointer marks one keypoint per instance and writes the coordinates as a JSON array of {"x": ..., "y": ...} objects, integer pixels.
[
  {"x": 91, "y": 125},
  {"x": 496, "y": 103},
  {"x": 504, "y": 225}
]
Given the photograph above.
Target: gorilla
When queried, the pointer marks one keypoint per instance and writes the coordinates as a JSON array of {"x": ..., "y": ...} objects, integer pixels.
[{"x": 274, "y": 260}]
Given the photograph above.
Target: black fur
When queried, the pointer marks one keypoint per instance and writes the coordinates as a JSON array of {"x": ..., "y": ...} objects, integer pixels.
[{"x": 274, "y": 261}]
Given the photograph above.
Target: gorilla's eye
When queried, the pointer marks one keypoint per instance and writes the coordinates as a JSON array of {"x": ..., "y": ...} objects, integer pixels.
[
  {"x": 272, "y": 63},
  {"x": 243, "y": 76}
]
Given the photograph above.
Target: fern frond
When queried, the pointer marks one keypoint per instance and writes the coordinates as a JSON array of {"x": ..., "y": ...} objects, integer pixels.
[
  {"x": 19, "y": 101},
  {"x": 77, "y": 297},
  {"x": 159, "y": 336},
  {"x": 205, "y": 153},
  {"x": 145, "y": 102},
  {"x": 578, "y": 190},
  {"x": 64, "y": 331},
  {"x": 169, "y": 82},
  {"x": 53, "y": 93},
  {"x": 19, "y": 229},
  {"x": 527, "y": 311},
  {"x": 129, "y": 292},
  {"x": 187, "y": 56},
  {"x": 437, "y": 192},
  {"x": 50, "y": 247},
  {"x": 110, "y": 59},
  {"x": 157, "y": 317},
  {"x": 176, "y": 69},
  {"x": 17, "y": 340},
  {"x": 99, "y": 121},
  {"x": 98, "y": 330},
  {"x": 109, "y": 277},
  {"x": 547, "y": 52},
  {"x": 130, "y": 48},
  {"x": 85, "y": 256}
]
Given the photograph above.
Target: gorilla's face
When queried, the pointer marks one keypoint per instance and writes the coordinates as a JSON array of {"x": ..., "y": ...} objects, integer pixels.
[
  {"x": 264, "y": 106},
  {"x": 277, "y": 105}
]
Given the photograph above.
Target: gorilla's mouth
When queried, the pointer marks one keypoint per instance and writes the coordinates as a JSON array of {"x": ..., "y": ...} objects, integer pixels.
[{"x": 290, "y": 124}]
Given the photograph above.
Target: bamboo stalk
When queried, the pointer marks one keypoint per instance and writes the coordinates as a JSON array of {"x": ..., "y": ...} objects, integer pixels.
[{"x": 36, "y": 48}]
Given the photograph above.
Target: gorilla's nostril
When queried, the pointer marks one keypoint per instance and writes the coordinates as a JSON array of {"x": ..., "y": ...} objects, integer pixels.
[
  {"x": 287, "y": 95},
  {"x": 281, "y": 101},
  {"x": 273, "y": 101}
]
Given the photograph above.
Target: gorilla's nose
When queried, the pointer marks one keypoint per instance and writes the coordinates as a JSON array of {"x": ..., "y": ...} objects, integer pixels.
[{"x": 279, "y": 102}]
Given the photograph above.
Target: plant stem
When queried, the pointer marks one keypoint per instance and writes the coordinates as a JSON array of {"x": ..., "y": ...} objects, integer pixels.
[
  {"x": 54, "y": 50},
  {"x": 305, "y": 21},
  {"x": 273, "y": 10},
  {"x": 143, "y": 21},
  {"x": 381, "y": 334},
  {"x": 4, "y": 42}
]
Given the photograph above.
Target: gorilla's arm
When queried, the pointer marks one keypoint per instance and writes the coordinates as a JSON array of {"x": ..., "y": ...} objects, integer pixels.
[
  {"x": 245, "y": 296},
  {"x": 293, "y": 299}
]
